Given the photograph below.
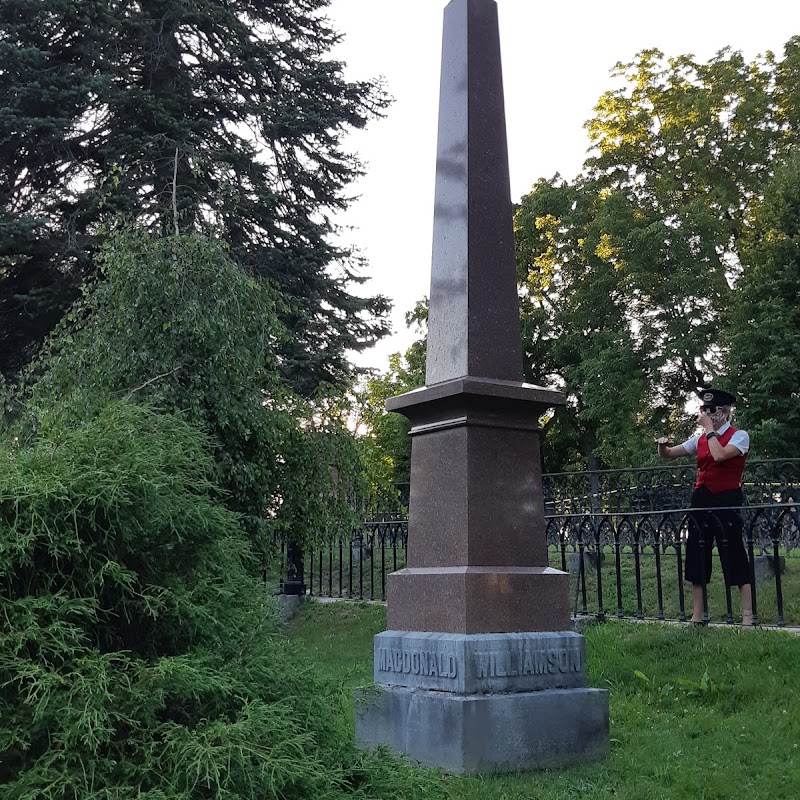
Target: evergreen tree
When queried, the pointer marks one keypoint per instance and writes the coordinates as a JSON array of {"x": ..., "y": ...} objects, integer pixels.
[
  {"x": 138, "y": 656},
  {"x": 218, "y": 116}
]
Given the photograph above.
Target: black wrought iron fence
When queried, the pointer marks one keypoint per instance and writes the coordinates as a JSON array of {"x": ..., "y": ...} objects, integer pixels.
[
  {"x": 621, "y": 535},
  {"x": 354, "y": 565},
  {"x": 661, "y": 488},
  {"x": 630, "y": 564}
]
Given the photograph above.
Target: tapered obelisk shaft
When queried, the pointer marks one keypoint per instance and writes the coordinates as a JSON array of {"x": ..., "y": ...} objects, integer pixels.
[
  {"x": 473, "y": 325},
  {"x": 476, "y": 518}
]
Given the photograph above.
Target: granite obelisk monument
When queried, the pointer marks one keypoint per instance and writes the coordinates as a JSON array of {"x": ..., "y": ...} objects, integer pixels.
[{"x": 479, "y": 670}]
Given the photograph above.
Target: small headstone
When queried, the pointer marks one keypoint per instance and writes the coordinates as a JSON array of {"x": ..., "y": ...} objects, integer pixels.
[
  {"x": 764, "y": 567},
  {"x": 590, "y": 559}
]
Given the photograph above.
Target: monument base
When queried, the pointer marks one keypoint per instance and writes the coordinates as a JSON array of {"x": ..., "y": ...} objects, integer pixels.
[
  {"x": 486, "y": 733},
  {"x": 501, "y": 702}
]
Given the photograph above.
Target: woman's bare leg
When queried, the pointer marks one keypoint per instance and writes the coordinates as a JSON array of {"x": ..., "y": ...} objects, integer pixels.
[
  {"x": 747, "y": 605},
  {"x": 697, "y": 603}
]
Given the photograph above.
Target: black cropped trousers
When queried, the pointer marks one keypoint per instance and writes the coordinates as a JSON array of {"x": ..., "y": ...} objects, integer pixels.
[{"x": 723, "y": 526}]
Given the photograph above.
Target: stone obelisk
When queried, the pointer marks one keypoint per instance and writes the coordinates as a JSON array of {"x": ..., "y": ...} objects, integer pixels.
[{"x": 479, "y": 670}]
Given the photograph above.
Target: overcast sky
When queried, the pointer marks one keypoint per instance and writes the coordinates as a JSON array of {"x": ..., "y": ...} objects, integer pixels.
[{"x": 556, "y": 63}]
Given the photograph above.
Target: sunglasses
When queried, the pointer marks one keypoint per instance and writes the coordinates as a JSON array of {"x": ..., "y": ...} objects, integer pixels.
[{"x": 709, "y": 409}]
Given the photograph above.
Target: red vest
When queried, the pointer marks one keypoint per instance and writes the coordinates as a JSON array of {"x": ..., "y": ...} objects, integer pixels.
[{"x": 719, "y": 476}]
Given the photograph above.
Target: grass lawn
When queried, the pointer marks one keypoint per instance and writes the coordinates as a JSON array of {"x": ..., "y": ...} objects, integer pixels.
[{"x": 696, "y": 713}]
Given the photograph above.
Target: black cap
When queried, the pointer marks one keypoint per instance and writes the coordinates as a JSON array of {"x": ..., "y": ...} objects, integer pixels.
[{"x": 716, "y": 397}]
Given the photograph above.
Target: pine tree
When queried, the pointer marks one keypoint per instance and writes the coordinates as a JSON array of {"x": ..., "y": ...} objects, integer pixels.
[{"x": 225, "y": 117}]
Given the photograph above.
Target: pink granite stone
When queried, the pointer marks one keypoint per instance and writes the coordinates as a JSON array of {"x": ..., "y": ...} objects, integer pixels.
[{"x": 478, "y": 600}]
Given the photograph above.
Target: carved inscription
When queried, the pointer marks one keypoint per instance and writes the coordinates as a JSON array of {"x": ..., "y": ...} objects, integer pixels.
[
  {"x": 527, "y": 662},
  {"x": 417, "y": 662}
]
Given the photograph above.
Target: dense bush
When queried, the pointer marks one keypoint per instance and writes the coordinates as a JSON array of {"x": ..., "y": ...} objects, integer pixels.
[{"x": 138, "y": 658}]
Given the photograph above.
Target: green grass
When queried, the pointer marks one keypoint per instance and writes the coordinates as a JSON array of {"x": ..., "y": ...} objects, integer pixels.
[{"x": 696, "y": 713}]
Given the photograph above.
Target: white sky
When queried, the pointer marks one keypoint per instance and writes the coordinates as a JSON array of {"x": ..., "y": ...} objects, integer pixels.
[{"x": 556, "y": 62}]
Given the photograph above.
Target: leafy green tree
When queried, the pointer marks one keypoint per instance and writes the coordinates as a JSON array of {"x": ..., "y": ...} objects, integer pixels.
[
  {"x": 384, "y": 443},
  {"x": 683, "y": 151},
  {"x": 576, "y": 331},
  {"x": 203, "y": 116},
  {"x": 172, "y": 321},
  {"x": 630, "y": 271},
  {"x": 764, "y": 324},
  {"x": 138, "y": 657}
]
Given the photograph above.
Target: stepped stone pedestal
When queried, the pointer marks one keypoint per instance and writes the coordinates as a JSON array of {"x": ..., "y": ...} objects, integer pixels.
[
  {"x": 479, "y": 670},
  {"x": 484, "y": 702}
]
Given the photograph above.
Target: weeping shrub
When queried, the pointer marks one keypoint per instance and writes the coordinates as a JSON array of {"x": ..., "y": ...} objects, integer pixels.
[
  {"x": 138, "y": 657},
  {"x": 173, "y": 322}
]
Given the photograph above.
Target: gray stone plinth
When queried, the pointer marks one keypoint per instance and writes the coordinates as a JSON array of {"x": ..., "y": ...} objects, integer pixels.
[
  {"x": 481, "y": 663},
  {"x": 288, "y": 605},
  {"x": 486, "y": 733}
]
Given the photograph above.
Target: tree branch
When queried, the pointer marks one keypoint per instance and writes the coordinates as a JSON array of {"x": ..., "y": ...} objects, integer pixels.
[
  {"x": 152, "y": 380},
  {"x": 175, "y": 193}
]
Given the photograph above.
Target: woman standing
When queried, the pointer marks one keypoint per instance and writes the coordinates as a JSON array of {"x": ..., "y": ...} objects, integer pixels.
[{"x": 721, "y": 452}]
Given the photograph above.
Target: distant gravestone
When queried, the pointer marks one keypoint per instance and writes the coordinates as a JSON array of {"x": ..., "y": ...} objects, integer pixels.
[
  {"x": 479, "y": 670},
  {"x": 590, "y": 559},
  {"x": 764, "y": 567}
]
